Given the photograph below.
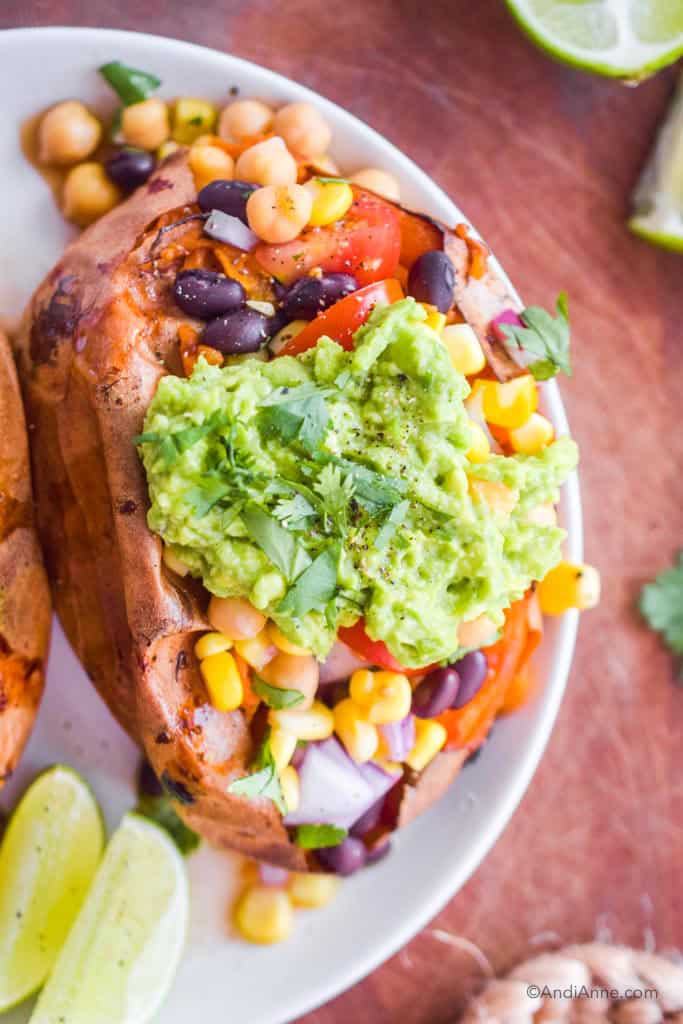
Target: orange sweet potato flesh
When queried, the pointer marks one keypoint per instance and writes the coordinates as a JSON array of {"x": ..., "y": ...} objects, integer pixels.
[
  {"x": 97, "y": 337},
  {"x": 24, "y": 596}
]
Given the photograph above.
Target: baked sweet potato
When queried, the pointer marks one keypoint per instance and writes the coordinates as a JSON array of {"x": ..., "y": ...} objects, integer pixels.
[
  {"x": 99, "y": 334},
  {"x": 24, "y": 596}
]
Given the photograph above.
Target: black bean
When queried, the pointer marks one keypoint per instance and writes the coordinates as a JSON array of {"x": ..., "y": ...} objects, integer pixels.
[
  {"x": 344, "y": 859},
  {"x": 244, "y": 330},
  {"x": 205, "y": 294},
  {"x": 130, "y": 168},
  {"x": 228, "y": 196},
  {"x": 472, "y": 669},
  {"x": 310, "y": 295},
  {"x": 436, "y": 692},
  {"x": 432, "y": 279}
]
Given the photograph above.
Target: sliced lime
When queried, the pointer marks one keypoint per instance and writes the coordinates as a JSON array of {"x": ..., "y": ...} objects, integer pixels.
[
  {"x": 122, "y": 953},
  {"x": 48, "y": 860},
  {"x": 623, "y": 38},
  {"x": 658, "y": 196}
]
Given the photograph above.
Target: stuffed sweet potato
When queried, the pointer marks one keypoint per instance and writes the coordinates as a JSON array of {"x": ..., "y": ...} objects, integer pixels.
[
  {"x": 100, "y": 334},
  {"x": 24, "y": 597}
]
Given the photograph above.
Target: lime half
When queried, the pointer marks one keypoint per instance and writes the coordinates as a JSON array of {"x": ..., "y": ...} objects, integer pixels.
[
  {"x": 122, "y": 953},
  {"x": 658, "y": 197},
  {"x": 622, "y": 38},
  {"x": 48, "y": 860}
]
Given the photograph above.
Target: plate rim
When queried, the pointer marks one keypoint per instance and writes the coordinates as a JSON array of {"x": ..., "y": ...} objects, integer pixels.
[{"x": 450, "y": 883}]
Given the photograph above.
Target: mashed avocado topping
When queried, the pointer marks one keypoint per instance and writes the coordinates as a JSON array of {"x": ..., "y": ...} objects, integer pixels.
[{"x": 335, "y": 485}]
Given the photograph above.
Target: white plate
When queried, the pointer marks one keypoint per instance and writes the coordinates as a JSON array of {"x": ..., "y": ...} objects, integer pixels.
[{"x": 382, "y": 908}]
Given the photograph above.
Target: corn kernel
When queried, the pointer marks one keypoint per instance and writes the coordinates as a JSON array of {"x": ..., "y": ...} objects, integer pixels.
[
  {"x": 479, "y": 449},
  {"x": 282, "y": 747},
  {"x": 212, "y": 643},
  {"x": 532, "y": 436},
  {"x": 435, "y": 319},
  {"x": 384, "y": 696},
  {"x": 569, "y": 586},
  {"x": 285, "y": 335},
  {"x": 430, "y": 736},
  {"x": 264, "y": 915},
  {"x": 166, "y": 148},
  {"x": 291, "y": 791},
  {"x": 174, "y": 563},
  {"x": 278, "y": 638},
  {"x": 315, "y": 723},
  {"x": 511, "y": 403},
  {"x": 192, "y": 118},
  {"x": 359, "y": 736},
  {"x": 257, "y": 650},
  {"x": 208, "y": 163},
  {"x": 223, "y": 681},
  {"x": 331, "y": 200},
  {"x": 312, "y": 890},
  {"x": 500, "y": 499},
  {"x": 467, "y": 355}
]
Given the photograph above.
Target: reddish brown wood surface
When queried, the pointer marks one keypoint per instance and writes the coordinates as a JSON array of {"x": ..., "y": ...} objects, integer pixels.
[{"x": 543, "y": 159}]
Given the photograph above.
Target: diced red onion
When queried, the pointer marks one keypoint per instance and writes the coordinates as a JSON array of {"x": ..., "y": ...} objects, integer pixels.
[
  {"x": 399, "y": 737},
  {"x": 231, "y": 230},
  {"x": 334, "y": 790},
  {"x": 339, "y": 664},
  {"x": 269, "y": 874},
  {"x": 508, "y": 316}
]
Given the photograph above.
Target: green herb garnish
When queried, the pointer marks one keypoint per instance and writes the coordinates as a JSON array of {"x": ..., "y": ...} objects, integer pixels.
[
  {"x": 129, "y": 84},
  {"x": 283, "y": 549},
  {"x": 299, "y": 412},
  {"x": 314, "y": 587},
  {"x": 391, "y": 524},
  {"x": 332, "y": 181},
  {"x": 160, "y": 810},
  {"x": 544, "y": 336},
  {"x": 318, "y": 837},
  {"x": 374, "y": 491},
  {"x": 264, "y": 780},
  {"x": 661, "y": 603},
  {"x": 294, "y": 513},
  {"x": 274, "y": 696}
]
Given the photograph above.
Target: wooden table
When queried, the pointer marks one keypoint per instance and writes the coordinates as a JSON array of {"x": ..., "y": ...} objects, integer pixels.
[{"x": 543, "y": 159}]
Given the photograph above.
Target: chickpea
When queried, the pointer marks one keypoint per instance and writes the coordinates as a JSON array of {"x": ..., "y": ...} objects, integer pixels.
[
  {"x": 88, "y": 194},
  {"x": 68, "y": 133},
  {"x": 243, "y": 119},
  {"x": 208, "y": 163},
  {"x": 267, "y": 163},
  {"x": 294, "y": 672},
  {"x": 476, "y": 632},
  {"x": 381, "y": 182},
  {"x": 235, "y": 617},
  {"x": 146, "y": 124},
  {"x": 279, "y": 213},
  {"x": 304, "y": 129}
]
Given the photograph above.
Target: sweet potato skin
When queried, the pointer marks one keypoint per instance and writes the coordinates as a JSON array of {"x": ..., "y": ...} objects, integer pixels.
[
  {"x": 98, "y": 335},
  {"x": 25, "y": 608}
]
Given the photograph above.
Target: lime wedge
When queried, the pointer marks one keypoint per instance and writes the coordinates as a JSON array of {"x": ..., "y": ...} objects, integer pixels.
[
  {"x": 622, "y": 38},
  {"x": 48, "y": 860},
  {"x": 658, "y": 196},
  {"x": 122, "y": 953}
]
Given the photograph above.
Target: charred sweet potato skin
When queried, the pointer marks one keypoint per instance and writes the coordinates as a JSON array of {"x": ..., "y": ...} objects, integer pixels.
[
  {"x": 24, "y": 596},
  {"x": 97, "y": 337}
]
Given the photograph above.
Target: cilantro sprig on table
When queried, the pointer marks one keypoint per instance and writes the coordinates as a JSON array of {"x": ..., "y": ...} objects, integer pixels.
[
  {"x": 661, "y": 604},
  {"x": 544, "y": 336}
]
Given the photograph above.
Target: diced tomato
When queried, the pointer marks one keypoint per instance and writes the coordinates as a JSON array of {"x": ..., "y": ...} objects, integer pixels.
[
  {"x": 374, "y": 651},
  {"x": 342, "y": 320},
  {"x": 366, "y": 242},
  {"x": 418, "y": 236}
]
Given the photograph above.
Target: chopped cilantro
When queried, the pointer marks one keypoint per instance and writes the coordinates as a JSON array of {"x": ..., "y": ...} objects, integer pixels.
[
  {"x": 263, "y": 781},
  {"x": 294, "y": 513},
  {"x": 374, "y": 491},
  {"x": 661, "y": 603},
  {"x": 332, "y": 181},
  {"x": 314, "y": 587},
  {"x": 275, "y": 696},
  {"x": 276, "y": 542},
  {"x": 129, "y": 84},
  {"x": 391, "y": 524},
  {"x": 299, "y": 412},
  {"x": 545, "y": 336},
  {"x": 317, "y": 837}
]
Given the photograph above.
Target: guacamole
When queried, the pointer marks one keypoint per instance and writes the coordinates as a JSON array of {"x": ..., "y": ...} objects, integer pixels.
[{"x": 335, "y": 485}]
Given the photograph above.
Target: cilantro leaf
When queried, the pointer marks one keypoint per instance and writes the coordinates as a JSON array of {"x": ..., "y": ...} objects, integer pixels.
[
  {"x": 314, "y": 587},
  {"x": 661, "y": 603},
  {"x": 297, "y": 412},
  {"x": 174, "y": 444},
  {"x": 276, "y": 542},
  {"x": 294, "y": 513},
  {"x": 336, "y": 492},
  {"x": 317, "y": 837},
  {"x": 275, "y": 696},
  {"x": 201, "y": 498},
  {"x": 391, "y": 524},
  {"x": 374, "y": 491},
  {"x": 129, "y": 84},
  {"x": 160, "y": 810},
  {"x": 264, "y": 781},
  {"x": 545, "y": 336}
]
